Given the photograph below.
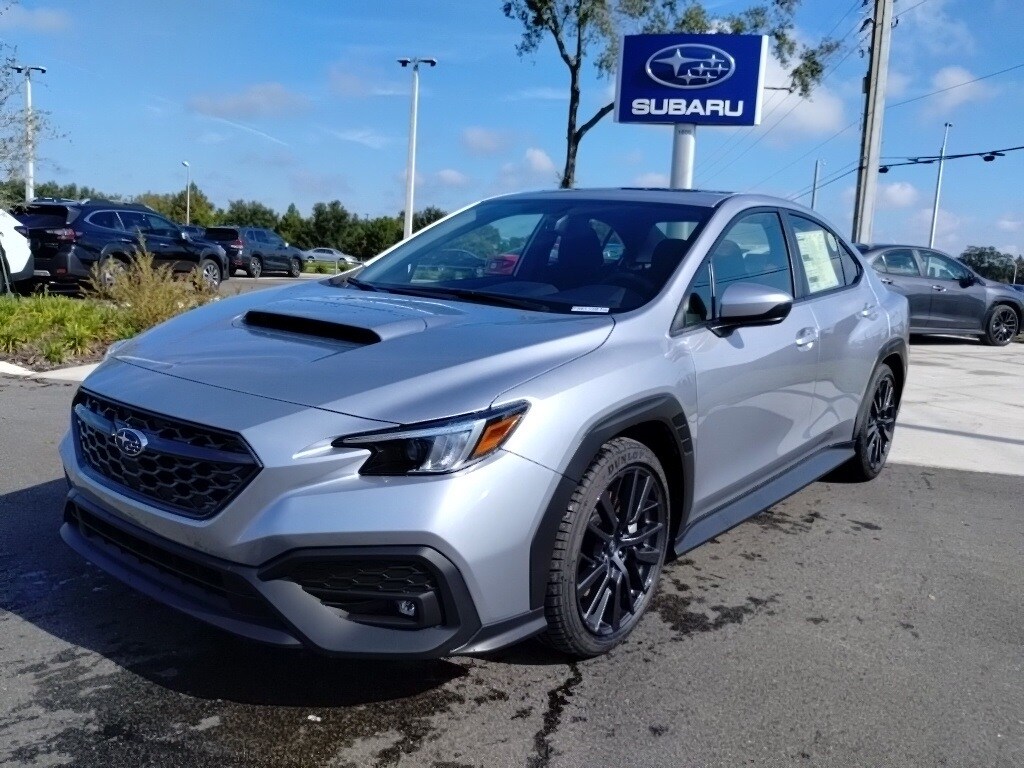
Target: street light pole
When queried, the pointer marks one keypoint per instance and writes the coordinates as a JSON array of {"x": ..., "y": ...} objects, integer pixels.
[
  {"x": 814, "y": 187},
  {"x": 188, "y": 192},
  {"x": 410, "y": 167},
  {"x": 30, "y": 137},
  {"x": 938, "y": 186}
]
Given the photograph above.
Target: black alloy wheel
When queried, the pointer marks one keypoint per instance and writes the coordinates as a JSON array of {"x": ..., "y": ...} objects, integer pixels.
[
  {"x": 294, "y": 268},
  {"x": 1003, "y": 325},
  {"x": 210, "y": 272},
  {"x": 881, "y": 423},
  {"x": 609, "y": 550},
  {"x": 255, "y": 268}
]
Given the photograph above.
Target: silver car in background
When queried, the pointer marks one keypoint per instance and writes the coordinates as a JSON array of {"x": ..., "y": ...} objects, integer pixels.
[{"x": 407, "y": 460}]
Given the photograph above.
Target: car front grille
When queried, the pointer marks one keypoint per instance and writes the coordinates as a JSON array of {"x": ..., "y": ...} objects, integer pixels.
[
  {"x": 335, "y": 581},
  {"x": 183, "y": 468}
]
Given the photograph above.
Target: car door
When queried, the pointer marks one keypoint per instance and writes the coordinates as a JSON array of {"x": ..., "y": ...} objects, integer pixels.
[
  {"x": 852, "y": 328},
  {"x": 899, "y": 269},
  {"x": 266, "y": 247},
  {"x": 281, "y": 249},
  {"x": 958, "y": 301},
  {"x": 136, "y": 223},
  {"x": 754, "y": 386}
]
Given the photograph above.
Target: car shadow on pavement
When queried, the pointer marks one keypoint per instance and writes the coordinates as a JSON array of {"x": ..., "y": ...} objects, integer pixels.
[{"x": 46, "y": 584}]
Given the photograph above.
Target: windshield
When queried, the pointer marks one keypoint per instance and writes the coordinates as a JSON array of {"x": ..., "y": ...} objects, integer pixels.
[
  {"x": 221, "y": 234},
  {"x": 571, "y": 255}
]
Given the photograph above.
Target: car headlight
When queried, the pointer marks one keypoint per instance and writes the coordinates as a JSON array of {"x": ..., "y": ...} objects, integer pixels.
[{"x": 439, "y": 446}]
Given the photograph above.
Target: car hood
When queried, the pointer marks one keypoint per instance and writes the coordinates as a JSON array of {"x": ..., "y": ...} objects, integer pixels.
[{"x": 378, "y": 356}]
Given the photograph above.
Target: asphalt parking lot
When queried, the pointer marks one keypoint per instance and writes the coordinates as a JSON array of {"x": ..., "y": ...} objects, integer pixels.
[{"x": 852, "y": 625}]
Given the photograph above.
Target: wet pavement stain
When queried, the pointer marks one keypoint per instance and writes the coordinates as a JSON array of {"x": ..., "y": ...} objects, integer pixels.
[
  {"x": 860, "y": 526},
  {"x": 240, "y": 705},
  {"x": 558, "y": 699},
  {"x": 675, "y": 611}
]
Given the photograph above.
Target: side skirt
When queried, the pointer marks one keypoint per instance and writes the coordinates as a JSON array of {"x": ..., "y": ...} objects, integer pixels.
[{"x": 763, "y": 496}]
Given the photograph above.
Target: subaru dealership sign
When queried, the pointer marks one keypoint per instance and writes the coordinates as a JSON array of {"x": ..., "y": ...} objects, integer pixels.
[{"x": 697, "y": 79}]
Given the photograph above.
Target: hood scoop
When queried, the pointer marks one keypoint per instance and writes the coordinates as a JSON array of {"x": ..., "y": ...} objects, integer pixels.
[
  {"x": 310, "y": 326},
  {"x": 351, "y": 321}
]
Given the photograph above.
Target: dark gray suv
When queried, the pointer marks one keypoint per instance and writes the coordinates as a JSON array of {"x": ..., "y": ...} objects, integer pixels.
[
  {"x": 256, "y": 250},
  {"x": 946, "y": 296}
]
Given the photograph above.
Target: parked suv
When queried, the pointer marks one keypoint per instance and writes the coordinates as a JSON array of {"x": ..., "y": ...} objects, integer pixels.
[
  {"x": 69, "y": 237},
  {"x": 257, "y": 250},
  {"x": 947, "y": 296},
  {"x": 417, "y": 462},
  {"x": 16, "y": 265}
]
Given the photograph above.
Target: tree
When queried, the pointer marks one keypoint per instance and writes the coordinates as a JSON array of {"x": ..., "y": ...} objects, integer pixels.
[
  {"x": 428, "y": 215},
  {"x": 295, "y": 229},
  {"x": 250, "y": 213},
  {"x": 583, "y": 27},
  {"x": 989, "y": 262},
  {"x": 377, "y": 235},
  {"x": 330, "y": 223}
]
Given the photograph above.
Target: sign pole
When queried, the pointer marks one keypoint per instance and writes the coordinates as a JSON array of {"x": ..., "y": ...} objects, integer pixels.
[{"x": 684, "y": 150}]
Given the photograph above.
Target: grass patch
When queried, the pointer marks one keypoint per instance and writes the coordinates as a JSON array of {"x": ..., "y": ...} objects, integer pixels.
[
  {"x": 323, "y": 268},
  {"x": 43, "y": 331}
]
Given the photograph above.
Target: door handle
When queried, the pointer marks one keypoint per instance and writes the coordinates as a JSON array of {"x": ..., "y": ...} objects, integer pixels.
[
  {"x": 938, "y": 288},
  {"x": 885, "y": 280},
  {"x": 806, "y": 338}
]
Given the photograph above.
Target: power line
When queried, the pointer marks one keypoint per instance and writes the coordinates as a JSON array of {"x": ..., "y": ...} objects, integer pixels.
[{"x": 958, "y": 85}]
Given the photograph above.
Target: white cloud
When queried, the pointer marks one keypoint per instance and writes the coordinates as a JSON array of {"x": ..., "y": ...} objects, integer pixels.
[
  {"x": 34, "y": 19},
  {"x": 365, "y": 136},
  {"x": 322, "y": 185},
  {"x": 651, "y": 179},
  {"x": 345, "y": 82},
  {"x": 249, "y": 129},
  {"x": 1009, "y": 224},
  {"x": 896, "y": 84},
  {"x": 898, "y": 194},
  {"x": 539, "y": 161},
  {"x": 483, "y": 141},
  {"x": 960, "y": 90},
  {"x": 449, "y": 177},
  {"x": 932, "y": 27},
  {"x": 260, "y": 100},
  {"x": 791, "y": 117}
]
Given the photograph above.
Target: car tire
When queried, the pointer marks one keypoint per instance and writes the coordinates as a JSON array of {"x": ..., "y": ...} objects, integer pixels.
[
  {"x": 255, "y": 267},
  {"x": 294, "y": 267},
  {"x": 111, "y": 267},
  {"x": 877, "y": 422},
  {"x": 609, "y": 550},
  {"x": 211, "y": 273},
  {"x": 1001, "y": 325}
]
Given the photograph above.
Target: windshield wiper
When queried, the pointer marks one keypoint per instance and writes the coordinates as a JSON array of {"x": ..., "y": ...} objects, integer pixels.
[
  {"x": 362, "y": 286},
  {"x": 478, "y": 297}
]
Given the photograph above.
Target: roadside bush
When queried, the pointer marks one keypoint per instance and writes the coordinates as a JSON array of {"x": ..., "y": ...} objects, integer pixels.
[
  {"x": 145, "y": 293},
  {"x": 323, "y": 268}
]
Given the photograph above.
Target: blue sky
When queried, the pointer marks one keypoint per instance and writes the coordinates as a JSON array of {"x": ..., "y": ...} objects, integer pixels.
[{"x": 303, "y": 101}]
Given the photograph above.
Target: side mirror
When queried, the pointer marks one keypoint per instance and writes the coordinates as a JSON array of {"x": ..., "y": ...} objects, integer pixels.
[
  {"x": 967, "y": 281},
  {"x": 183, "y": 235},
  {"x": 750, "y": 304}
]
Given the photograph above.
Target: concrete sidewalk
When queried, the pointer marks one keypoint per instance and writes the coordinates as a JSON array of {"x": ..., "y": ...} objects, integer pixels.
[{"x": 963, "y": 407}]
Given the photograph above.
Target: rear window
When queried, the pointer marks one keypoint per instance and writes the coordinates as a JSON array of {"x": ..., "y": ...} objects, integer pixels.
[
  {"x": 34, "y": 216},
  {"x": 221, "y": 234}
]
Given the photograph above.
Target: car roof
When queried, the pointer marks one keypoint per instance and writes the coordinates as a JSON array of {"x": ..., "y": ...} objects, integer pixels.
[
  {"x": 699, "y": 197},
  {"x": 864, "y": 248}
]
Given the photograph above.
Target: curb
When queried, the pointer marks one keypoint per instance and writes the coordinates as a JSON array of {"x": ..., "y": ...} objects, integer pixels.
[{"x": 75, "y": 373}]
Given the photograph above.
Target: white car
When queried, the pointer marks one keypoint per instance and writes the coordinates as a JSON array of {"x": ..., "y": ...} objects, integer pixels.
[
  {"x": 16, "y": 263},
  {"x": 331, "y": 256}
]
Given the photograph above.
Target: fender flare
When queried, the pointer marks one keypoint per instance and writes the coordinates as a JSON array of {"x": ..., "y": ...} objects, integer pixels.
[{"x": 662, "y": 409}]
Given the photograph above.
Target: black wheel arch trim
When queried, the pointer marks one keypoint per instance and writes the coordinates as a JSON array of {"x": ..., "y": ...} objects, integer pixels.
[
  {"x": 663, "y": 409},
  {"x": 898, "y": 347}
]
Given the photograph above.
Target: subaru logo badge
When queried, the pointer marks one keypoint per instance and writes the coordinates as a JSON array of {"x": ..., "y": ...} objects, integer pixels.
[
  {"x": 690, "y": 66},
  {"x": 130, "y": 442}
]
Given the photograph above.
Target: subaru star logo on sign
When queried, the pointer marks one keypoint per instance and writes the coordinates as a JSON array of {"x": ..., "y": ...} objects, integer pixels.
[
  {"x": 130, "y": 442},
  {"x": 698, "y": 79}
]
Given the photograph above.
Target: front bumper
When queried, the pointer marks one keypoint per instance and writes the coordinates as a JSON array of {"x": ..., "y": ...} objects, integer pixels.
[{"x": 246, "y": 569}]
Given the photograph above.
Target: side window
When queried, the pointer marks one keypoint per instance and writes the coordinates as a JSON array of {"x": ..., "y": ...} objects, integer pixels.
[
  {"x": 851, "y": 265},
  {"x": 697, "y": 308},
  {"x": 753, "y": 250},
  {"x": 942, "y": 267},
  {"x": 901, "y": 262},
  {"x": 107, "y": 219},
  {"x": 160, "y": 225},
  {"x": 262, "y": 236},
  {"x": 820, "y": 255},
  {"x": 878, "y": 264},
  {"x": 133, "y": 221}
]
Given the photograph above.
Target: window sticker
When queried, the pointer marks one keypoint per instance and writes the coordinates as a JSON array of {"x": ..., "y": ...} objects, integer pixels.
[{"x": 821, "y": 275}]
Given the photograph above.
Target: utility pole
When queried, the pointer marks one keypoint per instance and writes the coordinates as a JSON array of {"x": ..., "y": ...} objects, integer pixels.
[
  {"x": 188, "y": 192},
  {"x": 30, "y": 134},
  {"x": 814, "y": 186},
  {"x": 874, "y": 108},
  {"x": 938, "y": 186}
]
